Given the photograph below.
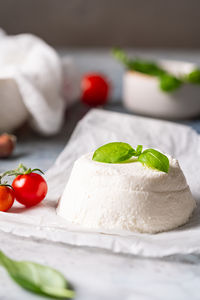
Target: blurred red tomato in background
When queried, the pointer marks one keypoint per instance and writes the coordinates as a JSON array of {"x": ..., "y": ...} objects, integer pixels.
[{"x": 94, "y": 89}]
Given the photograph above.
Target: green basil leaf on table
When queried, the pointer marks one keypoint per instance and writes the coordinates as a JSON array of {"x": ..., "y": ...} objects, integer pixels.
[
  {"x": 37, "y": 278},
  {"x": 115, "y": 152},
  {"x": 154, "y": 159}
]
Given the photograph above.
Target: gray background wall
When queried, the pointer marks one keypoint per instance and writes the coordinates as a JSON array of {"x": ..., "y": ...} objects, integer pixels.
[{"x": 141, "y": 23}]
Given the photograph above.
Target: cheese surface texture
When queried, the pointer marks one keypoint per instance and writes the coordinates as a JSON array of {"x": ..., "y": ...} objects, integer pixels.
[{"x": 126, "y": 196}]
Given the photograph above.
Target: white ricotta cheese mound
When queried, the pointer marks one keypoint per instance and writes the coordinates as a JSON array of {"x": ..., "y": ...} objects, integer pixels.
[{"x": 126, "y": 196}]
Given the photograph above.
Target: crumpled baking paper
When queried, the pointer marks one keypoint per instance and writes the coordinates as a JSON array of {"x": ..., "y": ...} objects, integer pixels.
[{"x": 96, "y": 128}]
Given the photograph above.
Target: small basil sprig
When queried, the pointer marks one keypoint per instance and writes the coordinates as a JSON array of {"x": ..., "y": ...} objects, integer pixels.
[
  {"x": 37, "y": 278},
  {"x": 118, "y": 152},
  {"x": 167, "y": 81}
]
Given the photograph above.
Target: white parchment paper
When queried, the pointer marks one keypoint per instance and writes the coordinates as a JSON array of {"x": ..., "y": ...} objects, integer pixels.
[{"x": 96, "y": 128}]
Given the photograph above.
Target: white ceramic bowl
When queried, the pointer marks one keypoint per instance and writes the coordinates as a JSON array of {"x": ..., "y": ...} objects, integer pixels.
[{"x": 141, "y": 94}]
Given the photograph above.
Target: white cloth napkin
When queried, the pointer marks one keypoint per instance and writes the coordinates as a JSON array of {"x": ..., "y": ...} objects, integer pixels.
[
  {"x": 30, "y": 84},
  {"x": 96, "y": 128}
]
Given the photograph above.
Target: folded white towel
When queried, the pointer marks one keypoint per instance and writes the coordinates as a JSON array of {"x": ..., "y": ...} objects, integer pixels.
[{"x": 30, "y": 84}]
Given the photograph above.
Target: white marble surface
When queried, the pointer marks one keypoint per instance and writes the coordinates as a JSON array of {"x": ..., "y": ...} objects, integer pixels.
[
  {"x": 101, "y": 275},
  {"x": 96, "y": 275}
]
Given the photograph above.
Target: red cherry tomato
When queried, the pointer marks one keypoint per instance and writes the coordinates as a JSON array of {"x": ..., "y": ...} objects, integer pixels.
[
  {"x": 6, "y": 198},
  {"x": 95, "y": 89},
  {"x": 30, "y": 189}
]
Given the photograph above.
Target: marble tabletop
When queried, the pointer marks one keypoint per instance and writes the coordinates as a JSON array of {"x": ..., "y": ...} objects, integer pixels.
[{"x": 95, "y": 274}]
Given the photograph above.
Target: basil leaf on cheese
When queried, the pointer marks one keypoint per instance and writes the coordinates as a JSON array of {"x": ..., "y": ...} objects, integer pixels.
[
  {"x": 154, "y": 159},
  {"x": 115, "y": 152}
]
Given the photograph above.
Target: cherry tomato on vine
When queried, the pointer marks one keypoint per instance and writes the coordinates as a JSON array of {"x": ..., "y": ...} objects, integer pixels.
[
  {"x": 6, "y": 197},
  {"x": 95, "y": 89},
  {"x": 29, "y": 187}
]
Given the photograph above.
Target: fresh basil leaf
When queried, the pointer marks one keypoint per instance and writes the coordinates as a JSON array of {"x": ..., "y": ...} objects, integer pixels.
[
  {"x": 154, "y": 159},
  {"x": 137, "y": 64},
  {"x": 37, "y": 278},
  {"x": 113, "y": 153},
  {"x": 169, "y": 83},
  {"x": 145, "y": 67},
  {"x": 139, "y": 150},
  {"x": 121, "y": 56},
  {"x": 194, "y": 77}
]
